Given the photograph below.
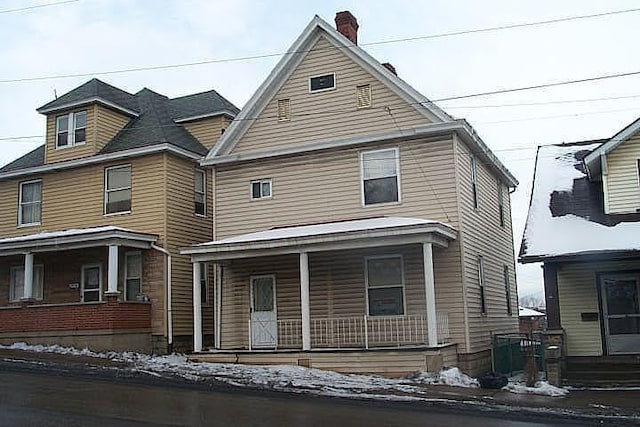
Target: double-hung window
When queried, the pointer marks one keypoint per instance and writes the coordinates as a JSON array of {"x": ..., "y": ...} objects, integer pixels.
[
  {"x": 16, "y": 282},
  {"x": 132, "y": 275},
  {"x": 261, "y": 189},
  {"x": 71, "y": 129},
  {"x": 501, "y": 203},
  {"x": 385, "y": 285},
  {"x": 30, "y": 203},
  {"x": 474, "y": 180},
  {"x": 483, "y": 301},
  {"x": 380, "y": 176},
  {"x": 507, "y": 290},
  {"x": 117, "y": 189},
  {"x": 200, "y": 192}
]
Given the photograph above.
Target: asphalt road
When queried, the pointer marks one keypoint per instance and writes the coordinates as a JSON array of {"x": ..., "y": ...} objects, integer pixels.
[{"x": 48, "y": 399}]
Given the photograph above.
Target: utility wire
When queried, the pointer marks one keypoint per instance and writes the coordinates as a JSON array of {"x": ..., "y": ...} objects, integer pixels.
[
  {"x": 270, "y": 55},
  {"x": 37, "y": 6}
]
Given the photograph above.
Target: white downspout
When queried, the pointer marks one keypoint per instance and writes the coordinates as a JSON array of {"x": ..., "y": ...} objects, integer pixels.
[{"x": 167, "y": 295}]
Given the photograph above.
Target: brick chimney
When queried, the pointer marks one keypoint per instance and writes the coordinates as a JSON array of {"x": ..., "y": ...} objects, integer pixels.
[
  {"x": 390, "y": 67},
  {"x": 347, "y": 25}
]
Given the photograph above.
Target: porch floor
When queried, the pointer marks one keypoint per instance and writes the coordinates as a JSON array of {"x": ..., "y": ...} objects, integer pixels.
[{"x": 392, "y": 362}]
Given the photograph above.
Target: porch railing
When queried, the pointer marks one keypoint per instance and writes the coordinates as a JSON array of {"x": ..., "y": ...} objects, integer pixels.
[{"x": 362, "y": 331}]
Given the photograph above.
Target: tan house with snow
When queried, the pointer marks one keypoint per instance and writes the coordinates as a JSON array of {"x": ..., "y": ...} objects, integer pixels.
[
  {"x": 356, "y": 225},
  {"x": 91, "y": 221}
]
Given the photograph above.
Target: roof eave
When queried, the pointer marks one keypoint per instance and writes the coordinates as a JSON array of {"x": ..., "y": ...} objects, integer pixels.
[
  {"x": 227, "y": 113},
  {"x": 87, "y": 101}
]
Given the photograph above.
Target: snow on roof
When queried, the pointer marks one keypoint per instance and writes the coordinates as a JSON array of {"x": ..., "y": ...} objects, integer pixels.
[
  {"x": 63, "y": 233},
  {"x": 323, "y": 229},
  {"x": 527, "y": 312},
  {"x": 547, "y": 235}
]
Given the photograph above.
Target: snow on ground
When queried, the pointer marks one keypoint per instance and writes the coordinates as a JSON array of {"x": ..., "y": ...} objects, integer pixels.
[{"x": 295, "y": 378}]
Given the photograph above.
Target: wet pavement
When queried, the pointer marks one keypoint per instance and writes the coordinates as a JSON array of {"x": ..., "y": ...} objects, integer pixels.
[{"x": 53, "y": 389}]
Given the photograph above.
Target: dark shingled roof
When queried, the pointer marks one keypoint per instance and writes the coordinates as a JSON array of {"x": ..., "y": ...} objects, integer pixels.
[
  {"x": 200, "y": 104},
  {"x": 90, "y": 90},
  {"x": 31, "y": 159}
]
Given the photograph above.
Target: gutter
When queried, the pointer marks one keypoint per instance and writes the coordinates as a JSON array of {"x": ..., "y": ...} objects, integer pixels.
[{"x": 167, "y": 296}]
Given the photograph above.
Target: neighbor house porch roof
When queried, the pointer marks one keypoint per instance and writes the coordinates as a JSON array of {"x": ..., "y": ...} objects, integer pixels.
[
  {"x": 75, "y": 239},
  {"x": 361, "y": 233}
]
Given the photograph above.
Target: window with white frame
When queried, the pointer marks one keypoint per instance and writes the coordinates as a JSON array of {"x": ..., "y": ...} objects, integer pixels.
[
  {"x": 474, "y": 180},
  {"x": 16, "y": 282},
  {"x": 132, "y": 275},
  {"x": 200, "y": 192},
  {"x": 261, "y": 189},
  {"x": 380, "y": 176},
  {"x": 483, "y": 302},
  {"x": 507, "y": 290},
  {"x": 117, "y": 189},
  {"x": 204, "y": 283},
  {"x": 501, "y": 203},
  {"x": 71, "y": 129},
  {"x": 30, "y": 203},
  {"x": 384, "y": 277},
  {"x": 322, "y": 83}
]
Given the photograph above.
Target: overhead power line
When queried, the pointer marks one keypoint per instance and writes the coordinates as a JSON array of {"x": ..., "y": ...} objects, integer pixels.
[
  {"x": 37, "y": 6},
  {"x": 270, "y": 55}
]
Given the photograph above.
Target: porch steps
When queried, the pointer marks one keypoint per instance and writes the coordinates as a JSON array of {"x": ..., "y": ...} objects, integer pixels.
[{"x": 603, "y": 371}]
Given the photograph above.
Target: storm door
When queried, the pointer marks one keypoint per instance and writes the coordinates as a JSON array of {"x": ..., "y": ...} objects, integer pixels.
[
  {"x": 621, "y": 312},
  {"x": 264, "y": 320},
  {"x": 91, "y": 283}
]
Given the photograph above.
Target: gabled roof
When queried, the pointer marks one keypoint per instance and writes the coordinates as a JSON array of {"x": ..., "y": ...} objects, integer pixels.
[
  {"x": 94, "y": 91},
  {"x": 566, "y": 212},
  {"x": 30, "y": 160},
  {"x": 593, "y": 160},
  {"x": 201, "y": 105},
  {"x": 294, "y": 56}
]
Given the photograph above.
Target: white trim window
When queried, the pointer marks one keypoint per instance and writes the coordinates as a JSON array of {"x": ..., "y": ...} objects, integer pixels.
[
  {"x": 483, "y": 301},
  {"x": 117, "y": 190},
  {"x": 71, "y": 129},
  {"x": 200, "y": 192},
  {"x": 380, "y": 170},
  {"x": 474, "y": 180},
  {"x": 204, "y": 283},
  {"x": 322, "y": 83},
  {"x": 384, "y": 276},
  {"x": 16, "y": 282},
  {"x": 91, "y": 282},
  {"x": 132, "y": 275},
  {"x": 260, "y": 189},
  {"x": 30, "y": 203}
]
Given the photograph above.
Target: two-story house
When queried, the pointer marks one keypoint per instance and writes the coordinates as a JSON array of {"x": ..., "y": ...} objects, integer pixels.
[
  {"x": 357, "y": 226},
  {"x": 91, "y": 221},
  {"x": 583, "y": 224}
]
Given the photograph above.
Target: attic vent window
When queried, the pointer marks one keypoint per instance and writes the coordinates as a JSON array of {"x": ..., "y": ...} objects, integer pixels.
[
  {"x": 322, "y": 83},
  {"x": 363, "y": 96},
  {"x": 284, "y": 110}
]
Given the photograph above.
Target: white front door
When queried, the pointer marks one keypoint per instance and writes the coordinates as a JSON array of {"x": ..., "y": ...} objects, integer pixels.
[
  {"x": 621, "y": 312},
  {"x": 264, "y": 323}
]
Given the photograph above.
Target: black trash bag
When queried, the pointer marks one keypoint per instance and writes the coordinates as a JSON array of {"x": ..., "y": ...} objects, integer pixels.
[{"x": 494, "y": 380}]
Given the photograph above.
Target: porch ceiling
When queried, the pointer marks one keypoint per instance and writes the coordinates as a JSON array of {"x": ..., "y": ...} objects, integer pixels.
[
  {"x": 75, "y": 239},
  {"x": 363, "y": 233}
]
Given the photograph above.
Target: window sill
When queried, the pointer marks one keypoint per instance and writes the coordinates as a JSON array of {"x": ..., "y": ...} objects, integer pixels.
[
  {"x": 260, "y": 198},
  {"x": 65, "y": 147},
  {"x": 375, "y": 205},
  {"x": 197, "y": 215},
  {"x": 116, "y": 214},
  {"x": 33, "y": 224}
]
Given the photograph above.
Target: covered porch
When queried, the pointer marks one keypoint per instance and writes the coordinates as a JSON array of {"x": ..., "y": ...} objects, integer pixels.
[
  {"x": 349, "y": 286},
  {"x": 81, "y": 287}
]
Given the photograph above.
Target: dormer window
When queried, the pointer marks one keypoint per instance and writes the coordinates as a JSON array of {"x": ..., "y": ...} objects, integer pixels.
[
  {"x": 322, "y": 83},
  {"x": 71, "y": 129}
]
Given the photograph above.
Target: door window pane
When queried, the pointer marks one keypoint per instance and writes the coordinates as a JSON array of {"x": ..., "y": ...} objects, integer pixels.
[{"x": 263, "y": 294}]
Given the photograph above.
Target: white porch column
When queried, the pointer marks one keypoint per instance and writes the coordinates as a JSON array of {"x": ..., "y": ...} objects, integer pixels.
[
  {"x": 112, "y": 275},
  {"x": 197, "y": 309},
  {"x": 218, "y": 306},
  {"x": 304, "y": 301},
  {"x": 28, "y": 277},
  {"x": 430, "y": 294}
]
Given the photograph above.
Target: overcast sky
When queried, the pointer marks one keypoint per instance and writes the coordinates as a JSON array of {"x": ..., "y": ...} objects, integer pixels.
[{"x": 96, "y": 36}]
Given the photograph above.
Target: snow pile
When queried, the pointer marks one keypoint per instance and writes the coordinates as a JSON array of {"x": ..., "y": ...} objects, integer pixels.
[
  {"x": 452, "y": 377},
  {"x": 542, "y": 388}
]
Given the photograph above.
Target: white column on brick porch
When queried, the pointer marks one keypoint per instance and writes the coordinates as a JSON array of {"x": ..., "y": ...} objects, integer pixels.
[
  {"x": 304, "y": 301},
  {"x": 28, "y": 276},
  {"x": 430, "y": 294},
  {"x": 197, "y": 309},
  {"x": 112, "y": 274}
]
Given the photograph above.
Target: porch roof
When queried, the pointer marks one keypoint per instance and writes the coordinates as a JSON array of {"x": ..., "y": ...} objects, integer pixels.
[
  {"x": 352, "y": 234},
  {"x": 75, "y": 239}
]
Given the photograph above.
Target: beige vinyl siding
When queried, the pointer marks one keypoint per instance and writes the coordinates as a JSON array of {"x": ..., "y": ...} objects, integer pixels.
[
  {"x": 108, "y": 124},
  {"x": 185, "y": 228},
  {"x": 621, "y": 184},
  {"x": 53, "y": 155},
  {"x": 483, "y": 236},
  {"x": 330, "y": 114},
  {"x": 207, "y": 131}
]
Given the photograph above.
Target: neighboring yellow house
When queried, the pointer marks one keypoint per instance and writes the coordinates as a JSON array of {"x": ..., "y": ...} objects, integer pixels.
[
  {"x": 90, "y": 222},
  {"x": 584, "y": 225},
  {"x": 357, "y": 226}
]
